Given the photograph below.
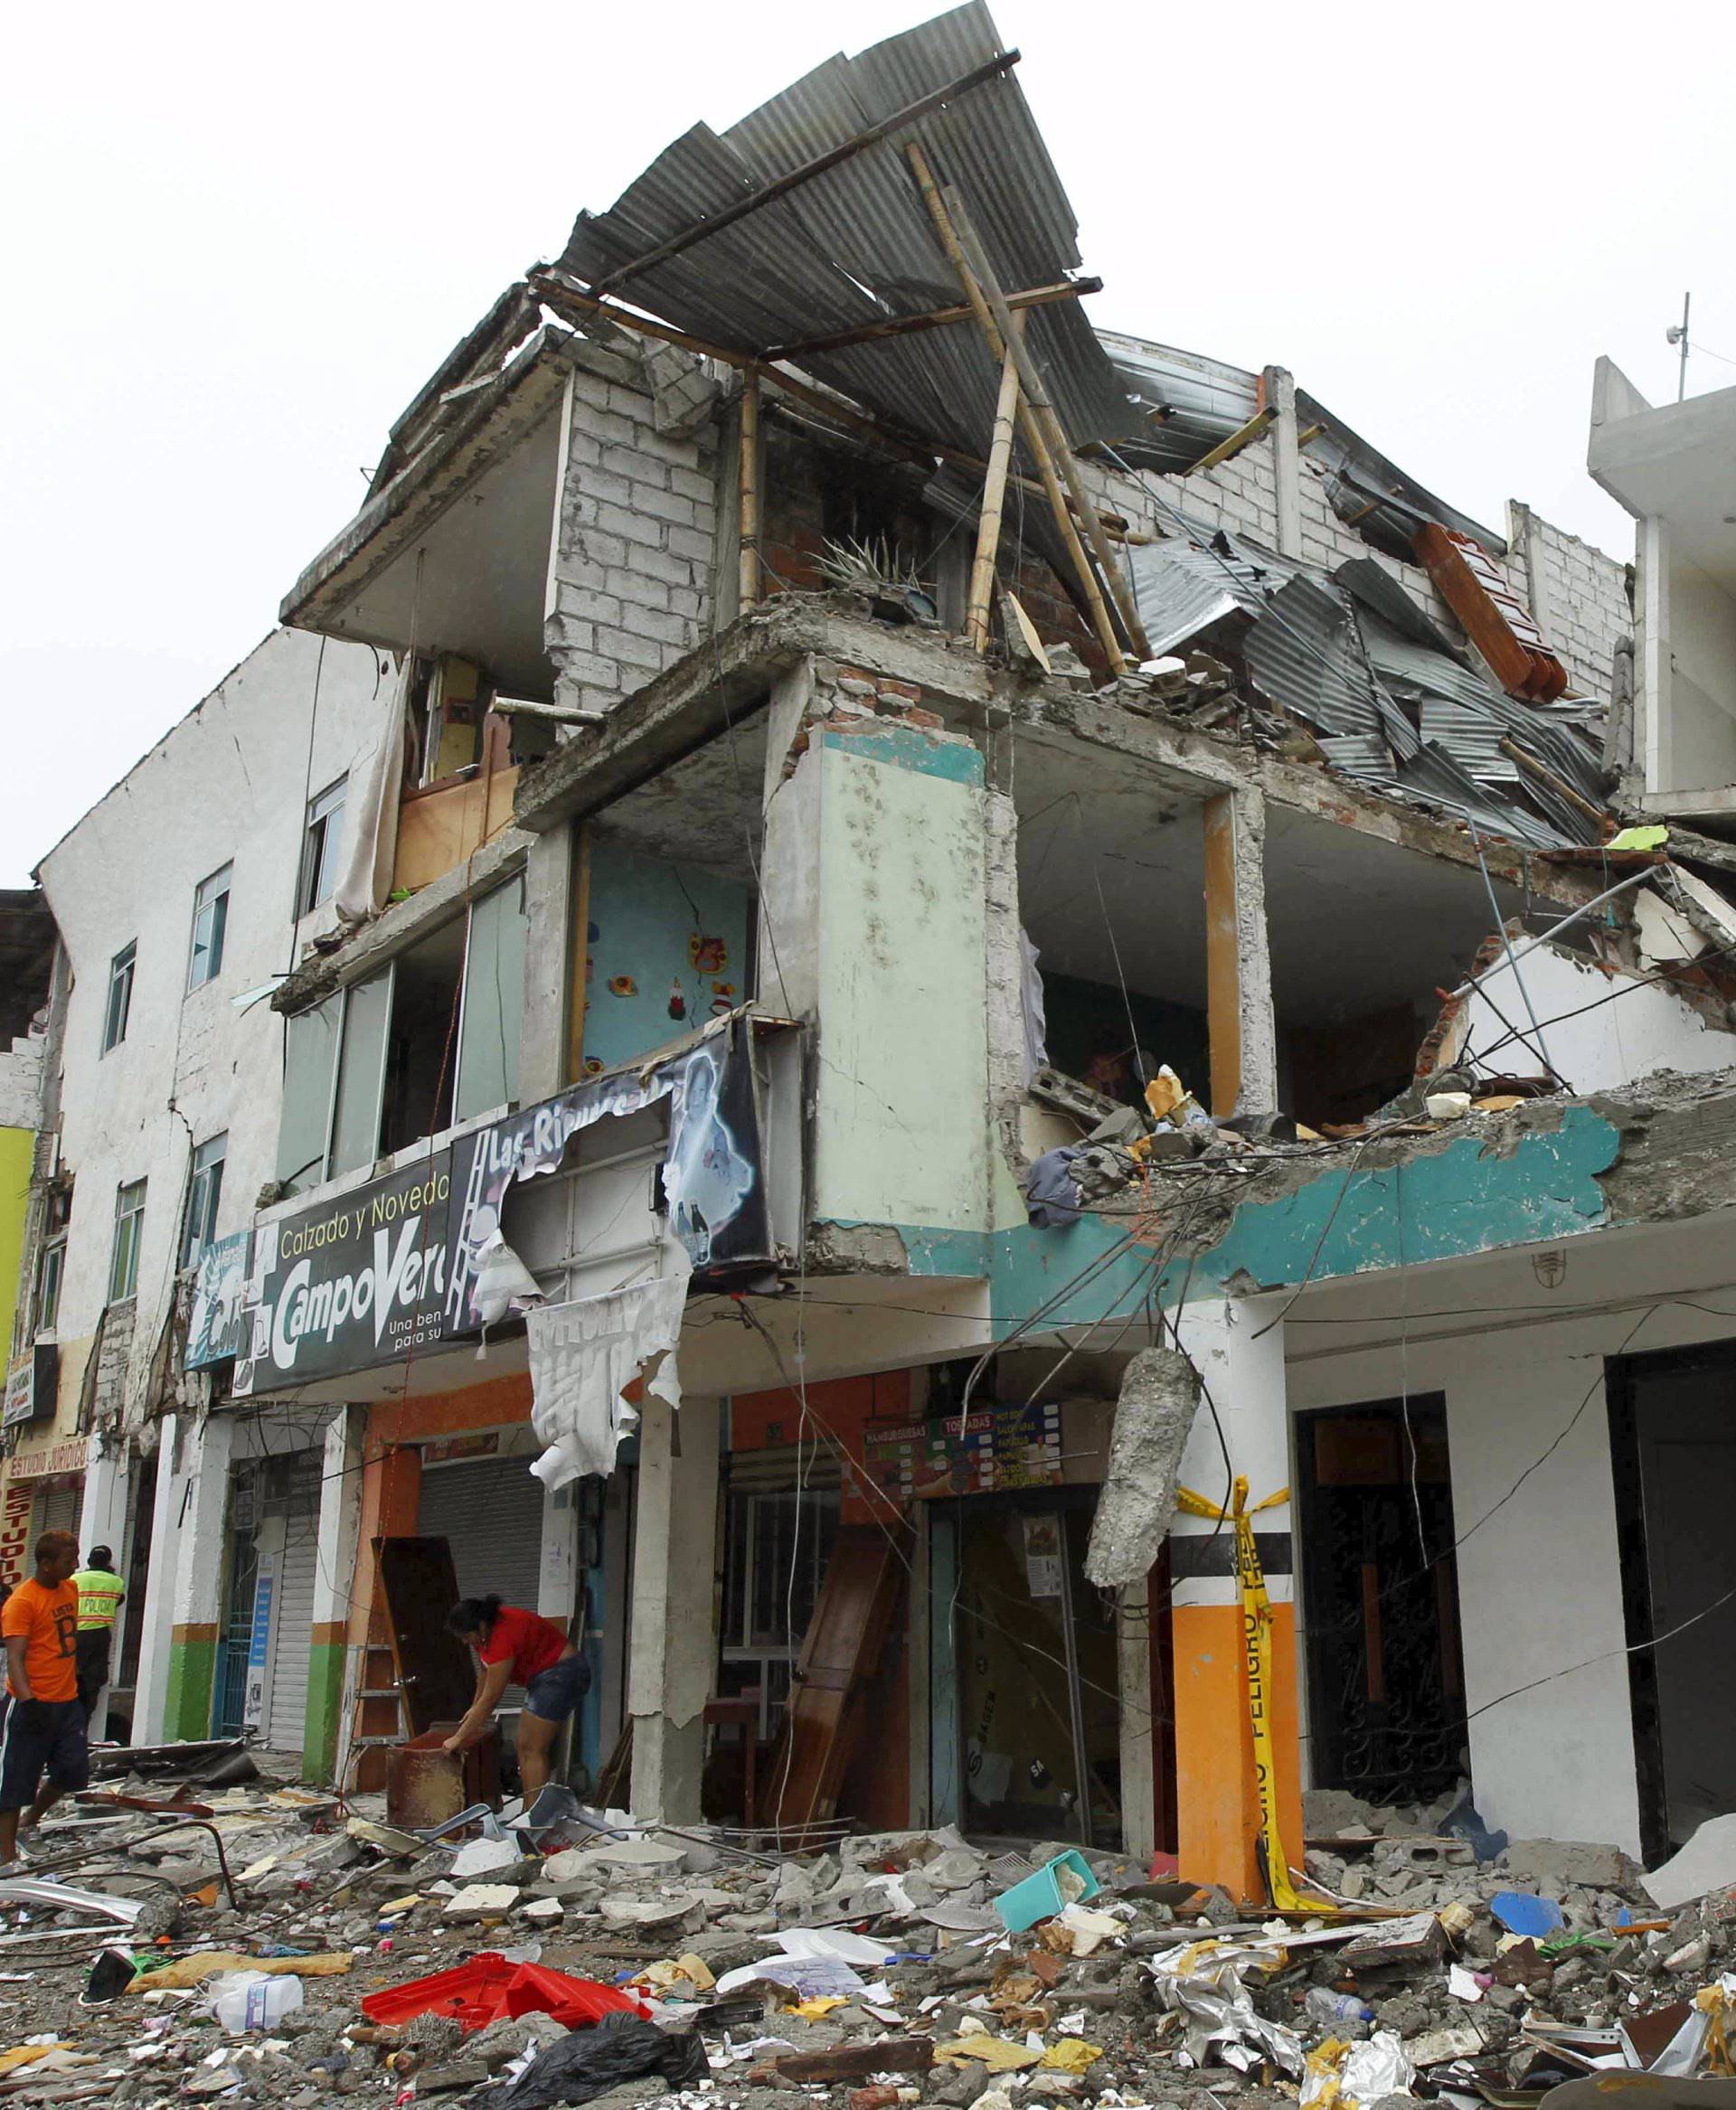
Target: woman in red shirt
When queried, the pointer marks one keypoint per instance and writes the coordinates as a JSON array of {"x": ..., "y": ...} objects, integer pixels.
[{"x": 515, "y": 1647}]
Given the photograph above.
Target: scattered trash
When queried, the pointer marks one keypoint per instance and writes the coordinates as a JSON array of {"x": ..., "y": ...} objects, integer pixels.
[
  {"x": 1523, "y": 1913},
  {"x": 247, "y": 2000},
  {"x": 1057, "y": 1884},
  {"x": 489, "y": 1988},
  {"x": 590, "y": 2062}
]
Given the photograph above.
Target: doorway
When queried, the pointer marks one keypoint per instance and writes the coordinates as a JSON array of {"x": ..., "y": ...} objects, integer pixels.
[
  {"x": 1037, "y": 1677},
  {"x": 1386, "y": 1685},
  {"x": 1673, "y": 1446}
]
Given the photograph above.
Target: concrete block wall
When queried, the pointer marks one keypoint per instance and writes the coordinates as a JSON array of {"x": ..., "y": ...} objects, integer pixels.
[
  {"x": 635, "y": 539},
  {"x": 1577, "y": 592}
]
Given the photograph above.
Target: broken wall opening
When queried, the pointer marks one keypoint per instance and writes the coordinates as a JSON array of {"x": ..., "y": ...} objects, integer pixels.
[
  {"x": 1364, "y": 937},
  {"x": 668, "y": 891},
  {"x": 1112, "y": 896}
]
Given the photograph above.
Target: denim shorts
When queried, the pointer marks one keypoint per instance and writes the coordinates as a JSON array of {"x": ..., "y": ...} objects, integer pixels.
[{"x": 553, "y": 1694}]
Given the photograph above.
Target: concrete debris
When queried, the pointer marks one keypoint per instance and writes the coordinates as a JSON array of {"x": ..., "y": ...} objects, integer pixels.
[
  {"x": 887, "y": 1949},
  {"x": 1160, "y": 1395}
]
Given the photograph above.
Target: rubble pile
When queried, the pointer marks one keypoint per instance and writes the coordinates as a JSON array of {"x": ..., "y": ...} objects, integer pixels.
[{"x": 596, "y": 1959}]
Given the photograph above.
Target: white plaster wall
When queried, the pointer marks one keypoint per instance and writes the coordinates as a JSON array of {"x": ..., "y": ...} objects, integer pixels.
[
  {"x": 1644, "y": 1027},
  {"x": 1703, "y": 678},
  {"x": 1540, "y": 1582},
  {"x": 229, "y": 784}
]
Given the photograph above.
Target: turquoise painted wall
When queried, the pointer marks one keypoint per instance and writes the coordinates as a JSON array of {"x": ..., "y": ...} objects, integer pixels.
[
  {"x": 646, "y": 922},
  {"x": 1469, "y": 1197}
]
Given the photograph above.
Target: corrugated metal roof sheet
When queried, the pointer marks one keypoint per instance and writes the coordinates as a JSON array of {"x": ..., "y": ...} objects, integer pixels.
[
  {"x": 1347, "y": 658},
  {"x": 1184, "y": 403},
  {"x": 1188, "y": 581},
  {"x": 855, "y": 244}
]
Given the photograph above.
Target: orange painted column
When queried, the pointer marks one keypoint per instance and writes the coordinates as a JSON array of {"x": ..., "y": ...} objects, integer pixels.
[{"x": 1217, "y": 1794}]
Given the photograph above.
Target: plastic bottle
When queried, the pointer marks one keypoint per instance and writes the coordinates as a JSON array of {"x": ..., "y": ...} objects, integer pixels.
[
  {"x": 1323, "y": 2005},
  {"x": 245, "y": 2001}
]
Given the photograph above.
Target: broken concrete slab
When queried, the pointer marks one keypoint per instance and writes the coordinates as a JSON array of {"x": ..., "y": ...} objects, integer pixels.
[
  {"x": 1160, "y": 1395},
  {"x": 1707, "y": 1862}
]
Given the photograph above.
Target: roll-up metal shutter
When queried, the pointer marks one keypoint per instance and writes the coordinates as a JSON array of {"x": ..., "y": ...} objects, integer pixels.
[
  {"x": 60, "y": 1512},
  {"x": 489, "y": 1511},
  {"x": 295, "y": 1504}
]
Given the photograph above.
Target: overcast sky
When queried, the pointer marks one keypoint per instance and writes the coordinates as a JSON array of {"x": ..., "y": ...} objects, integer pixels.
[{"x": 240, "y": 239}]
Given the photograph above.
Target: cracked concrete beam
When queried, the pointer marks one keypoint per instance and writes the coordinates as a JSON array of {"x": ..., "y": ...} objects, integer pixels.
[{"x": 1160, "y": 1396}]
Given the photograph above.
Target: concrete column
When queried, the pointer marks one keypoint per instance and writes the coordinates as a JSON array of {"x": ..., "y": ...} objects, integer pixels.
[
  {"x": 1240, "y": 1024},
  {"x": 674, "y": 1607},
  {"x": 548, "y": 966},
  {"x": 329, "y": 1665},
  {"x": 102, "y": 1521},
  {"x": 150, "y": 1692},
  {"x": 191, "y": 1548},
  {"x": 102, "y": 1515},
  {"x": 1652, "y": 742},
  {"x": 1287, "y": 459},
  {"x": 1138, "y": 1744},
  {"x": 1217, "y": 1792}
]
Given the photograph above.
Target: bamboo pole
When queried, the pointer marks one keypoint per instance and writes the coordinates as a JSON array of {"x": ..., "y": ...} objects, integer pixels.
[
  {"x": 748, "y": 560},
  {"x": 1028, "y": 425},
  {"x": 939, "y": 318},
  {"x": 1046, "y": 415},
  {"x": 988, "y": 526}
]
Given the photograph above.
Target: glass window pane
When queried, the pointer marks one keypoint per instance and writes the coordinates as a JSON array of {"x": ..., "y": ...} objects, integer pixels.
[
  {"x": 129, "y": 1219},
  {"x": 493, "y": 1003},
  {"x": 324, "y": 840},
  {"x": 120, "y": 998},
  {"x": 361, "y": 1075},
  {"x": 203, "y": 1193},
  {"x": 210, "y": 920},
  {"x": 310, "y": 1053}
]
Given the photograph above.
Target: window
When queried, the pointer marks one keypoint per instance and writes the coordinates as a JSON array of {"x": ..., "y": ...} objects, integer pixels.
[
  {"x": 210, "y": 921},
  {"x": 320, "y": 845},
  {"x": 49, "y": 1268},
  {"x": 120, "y": 996},
  {"x": 130, "y": 1225},
  {"x": 775, "y": 1548},
  {"x": 429, "y": 1039},
  {"x": 202, "y": 1196}
]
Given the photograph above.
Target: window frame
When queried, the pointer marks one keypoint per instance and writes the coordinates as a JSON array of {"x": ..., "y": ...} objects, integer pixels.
[
  {"x": 205, "y": 1197},
  {"x": 326, "y": 813},
  {"x": 128, "y": 1237},
  {"x": 210, "y": 899},
  {"x": 123, "y": 972},
  {"x": 50, "y": 1278}
]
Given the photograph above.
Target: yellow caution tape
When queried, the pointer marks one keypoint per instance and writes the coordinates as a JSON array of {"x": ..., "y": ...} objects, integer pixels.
[
  {"x": 1257, "y": 1620},
  {"x": 1711, "y": 2001}
]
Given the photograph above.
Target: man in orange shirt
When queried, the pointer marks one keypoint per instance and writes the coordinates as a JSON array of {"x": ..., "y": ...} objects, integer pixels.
[{"x": 45, "y": 1724}]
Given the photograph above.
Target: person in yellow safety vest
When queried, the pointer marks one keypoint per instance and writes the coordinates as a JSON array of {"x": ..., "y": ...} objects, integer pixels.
[{"x": 101, "y": 1594}]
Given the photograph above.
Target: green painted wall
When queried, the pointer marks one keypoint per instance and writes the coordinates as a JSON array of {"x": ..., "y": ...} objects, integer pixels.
[
  {"x": 325, "y": 1702},
  {"x": 901, "y": 1132},
  {"x": 186, "y": 1710},
  {"x": 16, "y": 1145}
]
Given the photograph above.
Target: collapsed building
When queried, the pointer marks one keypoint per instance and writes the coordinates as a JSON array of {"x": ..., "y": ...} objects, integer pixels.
[{"x": 919, "y": 978}]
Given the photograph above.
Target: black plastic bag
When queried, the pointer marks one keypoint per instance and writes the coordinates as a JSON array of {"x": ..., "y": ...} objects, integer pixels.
[{"x": 590, "y": 2062}]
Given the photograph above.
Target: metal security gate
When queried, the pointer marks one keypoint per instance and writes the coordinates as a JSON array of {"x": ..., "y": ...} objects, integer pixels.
[
  {"x": 58, "y": 1511},
  {"x": 293, "y": 1623},
  {"x": 489, "y": 1511}
]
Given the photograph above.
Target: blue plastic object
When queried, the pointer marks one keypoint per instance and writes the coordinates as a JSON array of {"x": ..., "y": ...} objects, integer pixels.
[
  {"x": 1040, "y": 1897},
  {"x": 1524, "y": 1913}
]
